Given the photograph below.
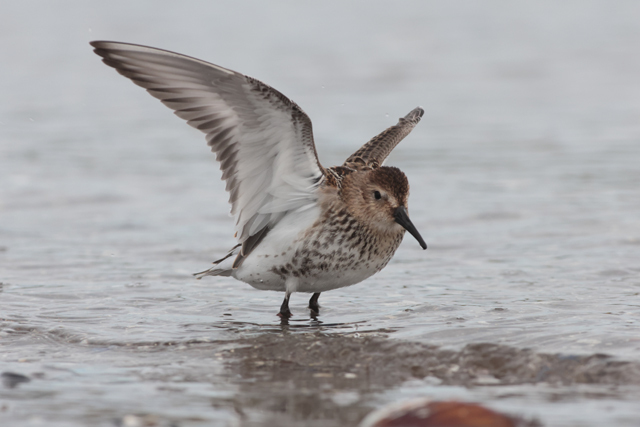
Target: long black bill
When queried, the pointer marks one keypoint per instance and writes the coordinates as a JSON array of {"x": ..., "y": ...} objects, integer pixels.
[{"x": 402, "y": 217}]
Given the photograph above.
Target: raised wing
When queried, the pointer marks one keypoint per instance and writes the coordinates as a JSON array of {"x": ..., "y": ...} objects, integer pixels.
[
  {"x": 262, "y": 139},
  {"x": 374, "y": 152}
]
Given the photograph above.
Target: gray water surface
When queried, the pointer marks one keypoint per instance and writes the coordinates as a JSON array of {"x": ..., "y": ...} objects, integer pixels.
[{"x": 525, "y": 183}]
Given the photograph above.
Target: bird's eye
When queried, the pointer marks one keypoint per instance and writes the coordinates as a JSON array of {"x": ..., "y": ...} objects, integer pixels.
[{"x": 377, "y": 195}]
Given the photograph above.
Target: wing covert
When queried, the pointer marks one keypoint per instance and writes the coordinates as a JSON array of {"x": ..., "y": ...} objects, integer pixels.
[
  {"x": 262, "y": 139},
  {"x": 374, "y": 152}
]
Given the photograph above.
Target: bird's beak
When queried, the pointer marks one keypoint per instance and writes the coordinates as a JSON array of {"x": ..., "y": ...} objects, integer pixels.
[{"x": 402, "y": 217}]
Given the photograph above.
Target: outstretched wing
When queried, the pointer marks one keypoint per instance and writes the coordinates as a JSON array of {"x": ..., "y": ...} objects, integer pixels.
[
  {"x": 262, "y": 139},
  {"x": 374, "y": 152}
]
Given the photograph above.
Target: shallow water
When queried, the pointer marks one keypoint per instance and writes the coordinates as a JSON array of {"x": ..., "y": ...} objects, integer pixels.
[{"x": 525, "y": 185}]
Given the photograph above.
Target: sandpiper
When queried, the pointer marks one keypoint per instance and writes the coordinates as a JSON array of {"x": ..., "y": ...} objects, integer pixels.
[{"x": 300, "y": 227}]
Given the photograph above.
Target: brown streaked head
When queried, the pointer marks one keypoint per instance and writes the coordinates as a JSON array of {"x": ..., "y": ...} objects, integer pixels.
[{"x": 378, "y": 198}]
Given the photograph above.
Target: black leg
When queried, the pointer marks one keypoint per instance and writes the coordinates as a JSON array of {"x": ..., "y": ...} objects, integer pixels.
[
  {"x": 313, "y": 303},
  {"x": 285, "y": 313}
]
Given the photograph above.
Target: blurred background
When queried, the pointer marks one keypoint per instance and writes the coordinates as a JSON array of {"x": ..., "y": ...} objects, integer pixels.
[{"x": 525, "y": 183}]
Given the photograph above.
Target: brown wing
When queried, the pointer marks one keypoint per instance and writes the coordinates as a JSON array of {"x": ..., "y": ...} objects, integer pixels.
[
  {"x": 263, "y": 140},
  {"x": 374, "y": 152}
]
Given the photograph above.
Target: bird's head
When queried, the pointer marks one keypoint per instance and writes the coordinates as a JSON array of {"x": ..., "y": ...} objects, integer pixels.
[{"x": 378, "y": 198}]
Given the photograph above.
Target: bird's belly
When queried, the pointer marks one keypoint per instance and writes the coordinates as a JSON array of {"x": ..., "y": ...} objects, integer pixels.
[
  {"x": 303, "y": 255},
  {"x": 310, "y": 274},
  {"x": 261, "y": 268}
]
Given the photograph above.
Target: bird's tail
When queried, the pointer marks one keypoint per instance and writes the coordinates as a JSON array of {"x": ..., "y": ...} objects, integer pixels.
[{"x": 220, "y": 267}]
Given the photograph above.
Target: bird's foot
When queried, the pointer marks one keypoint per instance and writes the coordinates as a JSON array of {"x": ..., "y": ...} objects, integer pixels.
[
  {"x": 285, "y": 314},
  {"x": 314, "y": 307}
]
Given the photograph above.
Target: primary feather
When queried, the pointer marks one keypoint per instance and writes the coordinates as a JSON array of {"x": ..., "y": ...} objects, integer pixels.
[{"x": 262, "y": 139}]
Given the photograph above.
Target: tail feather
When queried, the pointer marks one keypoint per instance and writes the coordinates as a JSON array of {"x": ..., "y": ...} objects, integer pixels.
[{"x": 221, "y": 268}]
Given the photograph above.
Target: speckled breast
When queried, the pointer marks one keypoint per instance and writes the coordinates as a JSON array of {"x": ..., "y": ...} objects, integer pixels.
[{"x": 337, "y": 251}]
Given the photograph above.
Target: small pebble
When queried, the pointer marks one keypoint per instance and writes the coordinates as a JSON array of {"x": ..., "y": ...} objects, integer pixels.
[
  {"x": 427, "y": 413},
  {"x": 12, "y": 380}
]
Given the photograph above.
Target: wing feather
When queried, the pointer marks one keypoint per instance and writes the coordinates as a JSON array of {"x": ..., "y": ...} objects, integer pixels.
[
  {"x": 262, "y": 139},
  {"x": 374, "y": 152}
]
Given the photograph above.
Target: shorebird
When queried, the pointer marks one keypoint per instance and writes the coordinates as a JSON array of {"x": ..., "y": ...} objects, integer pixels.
[{"x": 299, "y": 227}]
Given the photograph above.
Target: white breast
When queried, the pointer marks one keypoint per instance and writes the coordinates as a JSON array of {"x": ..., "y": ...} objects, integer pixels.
[{"x": 276, "y": 249}]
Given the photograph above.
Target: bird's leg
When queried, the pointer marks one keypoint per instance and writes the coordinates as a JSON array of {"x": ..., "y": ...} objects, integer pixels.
[
  {"x": 313, "y": 304},
  {"x": 285, "y": 313}
]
